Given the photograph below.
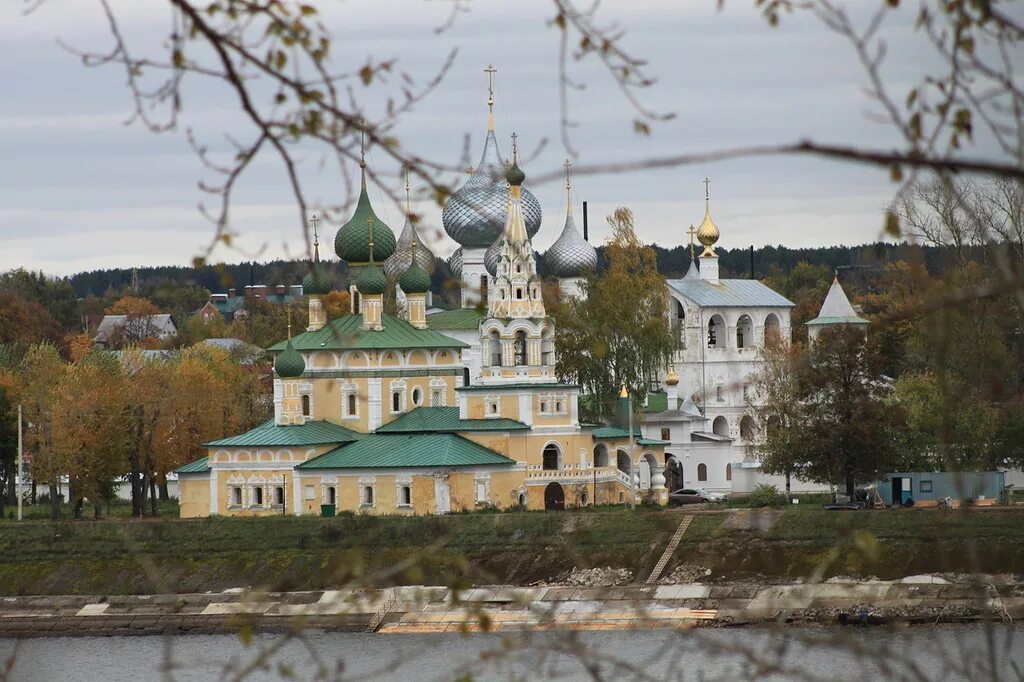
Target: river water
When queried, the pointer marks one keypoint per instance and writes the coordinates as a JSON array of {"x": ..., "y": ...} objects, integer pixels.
[{"x": 957, "y": 652}]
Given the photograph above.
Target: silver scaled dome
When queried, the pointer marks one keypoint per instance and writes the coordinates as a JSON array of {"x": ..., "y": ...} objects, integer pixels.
[
  {"x": 492, "y": 256},
  {"x": 475, "y": 214},
  {"x": 455, "y": 263},
  {"x": 401, "y": 259},
  {"x": 570, "y": 255}
]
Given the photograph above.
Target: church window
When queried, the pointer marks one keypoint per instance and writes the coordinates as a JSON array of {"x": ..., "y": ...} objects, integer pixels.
[
  {"x": 367, "y": 496},
  {"x": 519, "y": 268},
  {"x": 520, "y": 347},
  {"x": 481, "y": 491},
  {"x": 351, "y": 405},
  {"x": 543, "y": 406},
  {"x": 702, "y": 472},
  {"x": 744, "y": 332},
  {"x": 279, "y": 495},
  {"x": 747, "y": 427},
  {"x": 495, "y": 348},
  {"x": 716, "y": 327},
  {"x": 728, "y": 472},
  {"x": 519, "y": 293},
  {"x": 417, "y": 396},
  {"x": 236, "y": 496},
  {"x": 305, "y": 406},
  {"x": 547, "y": 349},
  {"x": 436, "y": 397},
  {"x": 332, "y": 495},
  {"x": 396, "y": 401},
  {"x": 551, "y": 457},
  {"x": 558, "y": 407},
  {"x": 493, "y": 407},
  {"x": 483, "y": 287},
  {"x": 257, "y": 496},
  {"x": 465, "y": 376},
  {"x": 746, "y": 393},
  {"x": 666, "y": 434},
  {"x": 718, "y": 393},
  {"x": 405, "y": 496}
]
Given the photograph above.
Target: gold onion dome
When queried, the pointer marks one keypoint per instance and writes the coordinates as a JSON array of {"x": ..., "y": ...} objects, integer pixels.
[
  {"x": 672, "y": 379},
  {"x": 353, "y": 239},
  {"x": 475, "y": 214},
  {"x": 708, "y": 234},
  {"x": 289, "y": 364}
]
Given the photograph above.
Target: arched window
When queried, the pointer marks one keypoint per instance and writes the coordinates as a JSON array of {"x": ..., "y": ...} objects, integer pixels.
[
  {"x": 279, "y": 495},
  {"x": 744, "y": 332},
  {"x": 356, "y": 301},
  {"x": 351, "y": 404},
  {"x": 716, "y": 332},
  {"x": 728, "y": 472},
  {"x": 465, "y": 376},
  {"x": 305, "y": 406},
  {"x": 622, "y": 461},
  {"x": 679, "y": 325},
  {"x": 720, "y": 426},
  {"x": 552, "y": 457},
  {"x": 332, "y": 495},
  {"x": 494, "y": 341},
  {"x": 702, "y": 472},
  {"x": 520, "y": 347},
  {"x": 747, "y": 427},
  {"x": 771, "y": 327},
  {"x": 396, "y": 401},
  {"x": 367, "y": 495},
  {"x": 600, "y": 455},
  {"x": 257, "y": 496},
  {"x": 547, "y": 349},
  {"x": 680, "y": 311}
]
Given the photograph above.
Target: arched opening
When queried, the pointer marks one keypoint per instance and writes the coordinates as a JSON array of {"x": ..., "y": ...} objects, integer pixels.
[
  {"x": 720, "y": 426},
  {"x": 332, "y": 495},
  {"x": 465, "y": 376},
  {"x": 520, "y": 347},
  {"x": 702, "y": 472},
  {"x": 356, "y": 301},
  {"x": 552, "y": 457},
  {"x": 673, "y": 473},
  {"x": 547, "y": 349},
  {"x": 648, "y": 468},
  {"x": 367, "y": 497},
  {"x": 622, "y": 461},
  {"x": 554, "y": 497},
  {"x": 351, "y": 404},
  {"x": 728, "y": 472},
  {"x": 600, "y": 455},
  {"x": 744, "y": 332},
  {"x": 716, "y": 332},
  {"x": 679, "y": 324},
  {"x": 257, "y": 496},
  {"x": 396, "y": 401},
  {"x": 522, "y": 500},
  {"x": 772, "y": 329},
  {"x": 494, "y": 348},
  {"x": 305, "y": 406},
  {"x": 279, "y": 495},
  {"x": 747, "y": 428}
]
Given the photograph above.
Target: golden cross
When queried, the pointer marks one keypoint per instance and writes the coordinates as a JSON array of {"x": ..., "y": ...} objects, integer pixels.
[
  {"x": 692, "y": 232},
  {"x": 316, "y": 221},
  {"x": 289, "y": 323},
  {"x": 490, "y": 71},
  {"x": 408, "y": 210},
  {"x": 362, "y": 142},
  {"x": 469, "y": 170}
]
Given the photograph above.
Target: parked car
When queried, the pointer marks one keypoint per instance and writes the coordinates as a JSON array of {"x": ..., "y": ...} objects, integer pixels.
[{"x": 693, "y": 496}]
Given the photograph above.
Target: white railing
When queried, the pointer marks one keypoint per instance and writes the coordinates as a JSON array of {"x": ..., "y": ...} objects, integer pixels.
[{"x": 578, "y": 474}]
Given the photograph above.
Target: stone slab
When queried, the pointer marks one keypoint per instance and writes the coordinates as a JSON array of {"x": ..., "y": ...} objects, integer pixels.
[{"x": 682, "y": 592}]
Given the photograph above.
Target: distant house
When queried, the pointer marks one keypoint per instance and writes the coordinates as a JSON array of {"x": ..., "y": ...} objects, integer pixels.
[
  {"x": 246, "y": 353},
  {"x": 232, "y": 304},
  {"x": 120, "y": 330}
]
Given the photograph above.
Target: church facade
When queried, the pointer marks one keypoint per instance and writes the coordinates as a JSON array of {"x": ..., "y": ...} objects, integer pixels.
[{"x": 422, "y": 414}]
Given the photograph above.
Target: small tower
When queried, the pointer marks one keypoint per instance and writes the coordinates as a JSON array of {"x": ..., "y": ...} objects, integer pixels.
[
  {"x": 415, "y": 284},
  {"x": 289, "y": 367},
  {"x": 707, "y": 235},
  {"x": 571, "y": 256},
  {"x": 836, "y": 310},
  {"x": 351, "y": 243},
  {"x": 316, "y": 283},
  {"x": 371, "y": 285}
]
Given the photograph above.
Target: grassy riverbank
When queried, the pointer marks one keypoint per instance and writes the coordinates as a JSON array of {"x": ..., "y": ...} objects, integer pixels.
[{"x": 118, "y": 556}]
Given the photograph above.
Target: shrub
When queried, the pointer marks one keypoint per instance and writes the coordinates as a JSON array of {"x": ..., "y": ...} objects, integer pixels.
[{"x": 764, "y": 495}]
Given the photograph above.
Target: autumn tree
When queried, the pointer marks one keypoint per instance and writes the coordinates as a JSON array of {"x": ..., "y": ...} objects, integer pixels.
[
  {"x": 140, "y": 327},
  {"x": 40, "y": 373},
  {"x": 337, "y": 304},
  {"x": 8, "y": 446},
  {"x": 55, "y": 295},
  {"x": 618, "y": 333},
  {"x": 779, "y": 408},
  {"x": 24, "y": 322},
  {"x": 148, "y": 394}
]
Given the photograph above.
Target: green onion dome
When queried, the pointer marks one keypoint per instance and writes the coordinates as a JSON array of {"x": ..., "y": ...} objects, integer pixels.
[
  {"x": 415, "y": 280},
  {"x": 353, "y": 239},
  {"x": 372, "y": 280},
  {"x": 289, "y": 363},
  {"x": 515, "y": 174},
  {"x": 317, "y": 282}
]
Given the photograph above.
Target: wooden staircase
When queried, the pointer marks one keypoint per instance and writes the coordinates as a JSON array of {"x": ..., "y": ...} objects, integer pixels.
[{"x": 673, "y": 543}]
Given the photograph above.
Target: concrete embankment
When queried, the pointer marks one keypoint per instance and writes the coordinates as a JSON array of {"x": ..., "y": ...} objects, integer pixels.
[{"x": 501, "y": 608}]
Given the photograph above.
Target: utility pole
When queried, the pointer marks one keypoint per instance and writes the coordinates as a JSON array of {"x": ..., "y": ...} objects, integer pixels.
[
  {"x": 632, "y": 466},
  {"x": 17, "y": 475}
]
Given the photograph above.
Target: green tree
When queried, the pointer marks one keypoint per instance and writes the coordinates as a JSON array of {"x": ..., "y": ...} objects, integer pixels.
[
  {"x": 618, "y": 333},
  {"x": 40, "y": 373},
  {"x": 8, "y": 449},
  {"x": 56, "y": 295}
]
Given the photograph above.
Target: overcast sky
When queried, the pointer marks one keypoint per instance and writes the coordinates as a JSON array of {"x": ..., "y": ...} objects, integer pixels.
[{"x": 79, "y": 190}]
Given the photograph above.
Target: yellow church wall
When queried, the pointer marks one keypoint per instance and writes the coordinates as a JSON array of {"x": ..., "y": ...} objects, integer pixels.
[{"x": 193, "y": 496}]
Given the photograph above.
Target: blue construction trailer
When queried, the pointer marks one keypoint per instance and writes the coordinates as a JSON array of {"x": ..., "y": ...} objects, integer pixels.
[{"x": 898, "y": 487}]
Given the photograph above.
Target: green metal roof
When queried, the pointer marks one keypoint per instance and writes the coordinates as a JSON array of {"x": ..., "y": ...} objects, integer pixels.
[
  {"x": 446, "y": 420},
  {"x": 518, "y": 386},
  {"x": 836, "y": 320},
  {"x": 270, "y": 434},
  {"x": 460, "y": 318},
  {"x": 200, "y": 466},
  {"x": 346, "y": 333},
  {"x": 402, "y": 451}
]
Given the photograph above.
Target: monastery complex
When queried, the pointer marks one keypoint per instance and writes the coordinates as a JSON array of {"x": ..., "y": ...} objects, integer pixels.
[{"x": 431, "y": 412}]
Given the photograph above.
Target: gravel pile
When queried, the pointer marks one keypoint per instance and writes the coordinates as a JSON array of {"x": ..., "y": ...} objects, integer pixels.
[
  {"x": 685, "y": 574},
  {"x": 595, "y": 577}
]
